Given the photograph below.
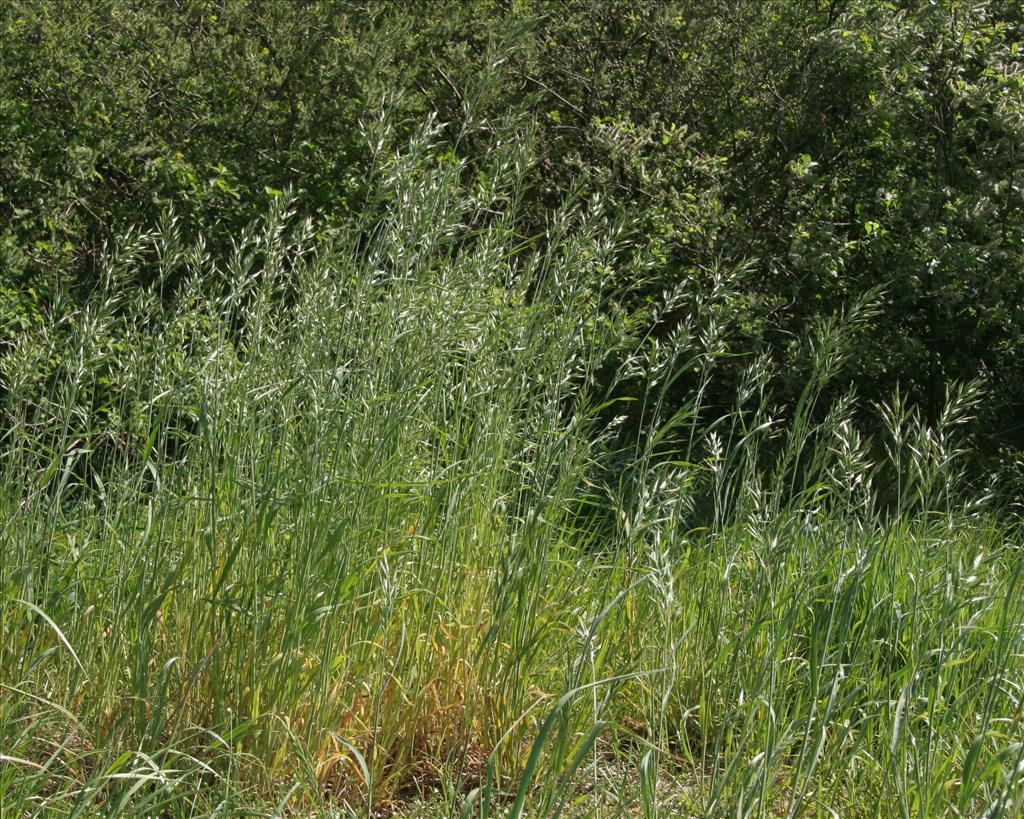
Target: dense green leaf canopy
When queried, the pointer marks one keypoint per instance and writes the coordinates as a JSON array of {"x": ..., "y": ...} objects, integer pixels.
[{"x": 825, "y": 148}]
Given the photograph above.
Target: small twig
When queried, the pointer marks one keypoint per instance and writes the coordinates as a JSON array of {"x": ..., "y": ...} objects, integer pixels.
[{"x": 551, "y": 91}]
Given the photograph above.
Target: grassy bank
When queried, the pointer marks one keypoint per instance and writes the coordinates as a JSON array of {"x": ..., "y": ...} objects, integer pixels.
[{"x": 341, "y": 522}]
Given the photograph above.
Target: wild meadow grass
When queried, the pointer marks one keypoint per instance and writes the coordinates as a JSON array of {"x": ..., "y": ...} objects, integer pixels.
[{"x": 350, "y": 522}]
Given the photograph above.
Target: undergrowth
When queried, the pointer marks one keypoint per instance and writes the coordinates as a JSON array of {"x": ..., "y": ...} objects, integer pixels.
[{"x": 346, "y": 520}]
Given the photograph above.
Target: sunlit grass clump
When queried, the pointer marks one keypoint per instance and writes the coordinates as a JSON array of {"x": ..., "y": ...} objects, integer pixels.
[{"x": 354, "y": 519}]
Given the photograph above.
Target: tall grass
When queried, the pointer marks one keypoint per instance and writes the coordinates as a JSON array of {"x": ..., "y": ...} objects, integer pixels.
[{"x": 346, "y": 520}]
